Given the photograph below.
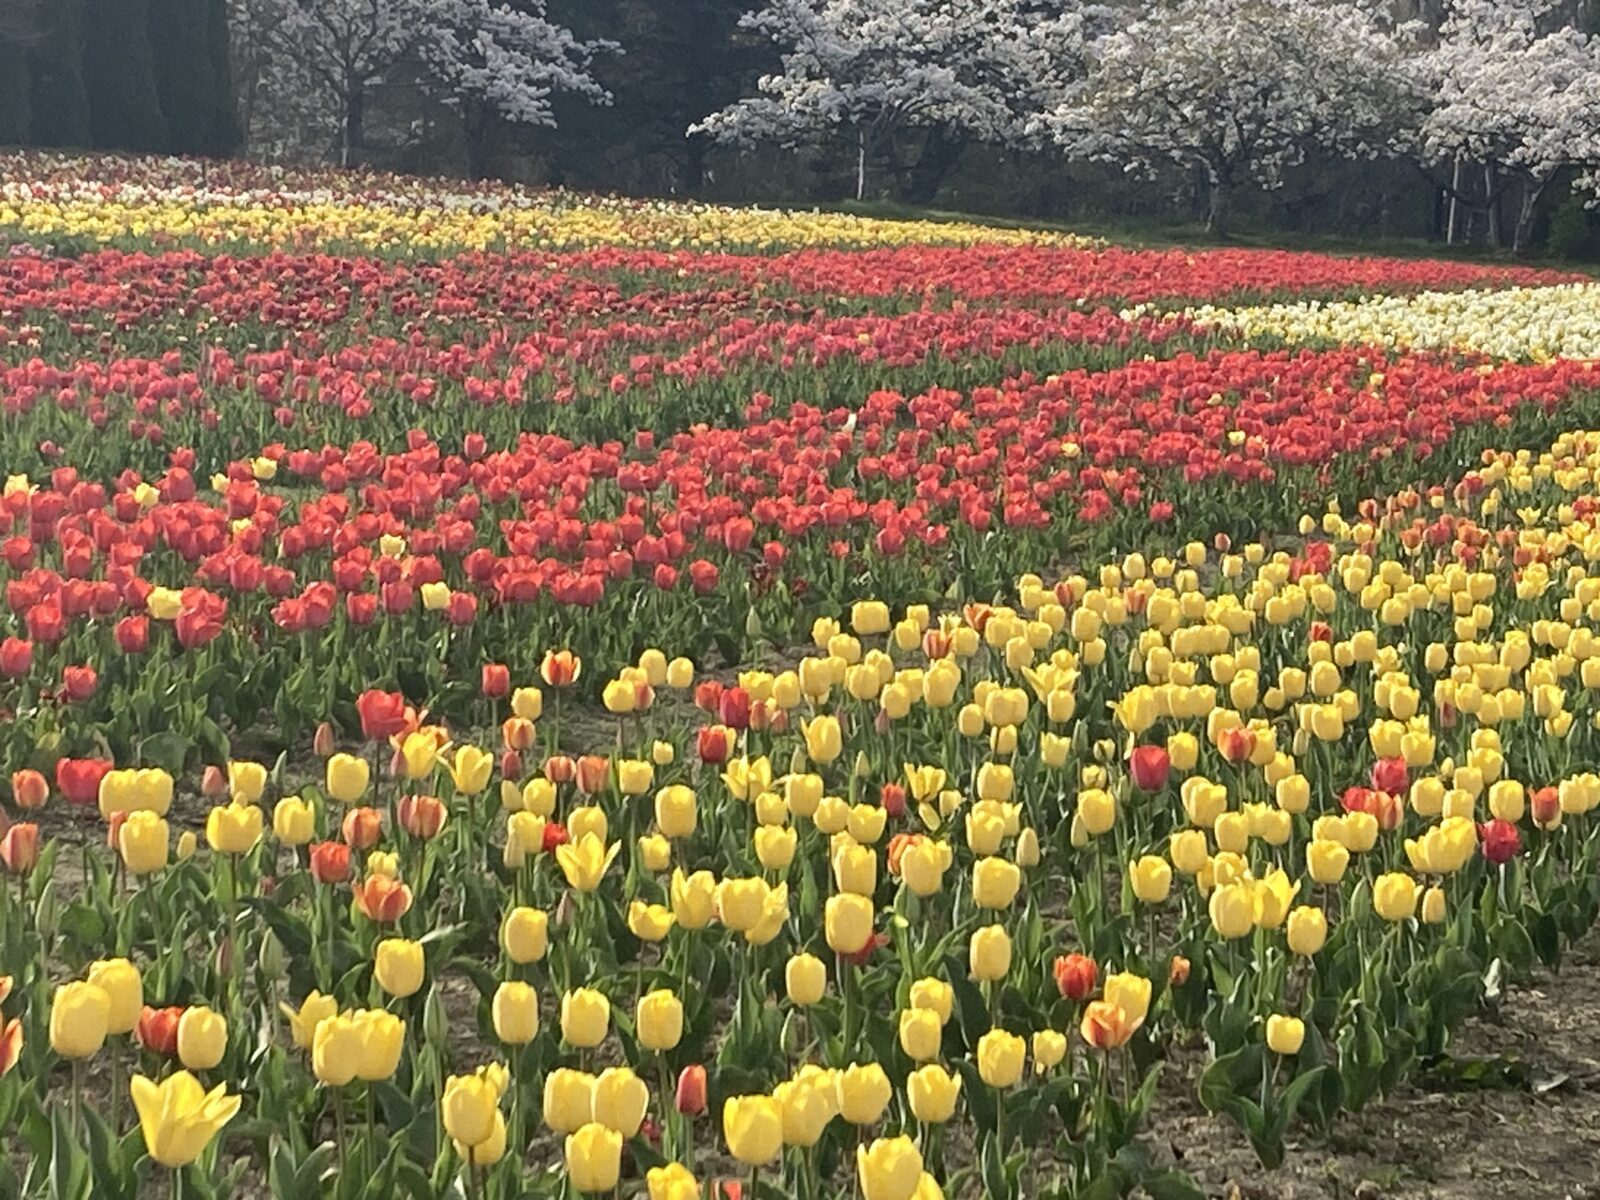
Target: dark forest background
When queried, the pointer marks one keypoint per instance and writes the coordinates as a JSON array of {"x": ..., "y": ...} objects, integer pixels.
[{"x": 164, "y": 76}]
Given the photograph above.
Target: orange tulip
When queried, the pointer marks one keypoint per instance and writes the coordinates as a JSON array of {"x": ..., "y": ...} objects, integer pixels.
[
  {"x": 382, "y": 899},
  {"x": 1106, "y": 1026}
]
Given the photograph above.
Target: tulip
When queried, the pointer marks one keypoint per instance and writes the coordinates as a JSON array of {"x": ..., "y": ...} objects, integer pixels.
[
  {"x": 293, "y": 821},
  {"x": 489, "y": 1151},
  {"x": 246, "y": 782},
  {"x": 921, "y": 1033},
  {"x": 470, "y": 1105},
  {"x": 234, "y": 828},
  {"x": 694, "y": 898},
  {"x": 807, "y": 1110},
  {"x": 1394, "y": 896},
  {"x": 202, "y": 1038},
  {"x": 935, "y": 996},
  {"x": 382, "y": 899},
  {"x": 805, "y": 979},
  {"x": 847, "y": 921},
  {"x": 1150, "y": 767},
  {"x": 568, "y": 1100},
  {"x": 1075, "y": 976},
  {"x": 29, "y": 789},
  {"x": 593, "y": 1155},
  {"x": 585, "y": 1018},
  {"x": 1307, "y": 930},
  {"x": 659, "y": 1020},
  {"x": 989, "y": 953},
  {"x": 676, "y": 811},
  {"x": 933, "y": 1092},
  {"x": 419, "y": 753},
  {"x": 470, "y": 770},
  {"x": 80, "y": 1019},
  {"x": 330, "y": 862},
  {"x": 995, "y": 883},
  {"x": 823, "y": 739},
  {"x": 690, "y": 1097},
  {"x": 863, "y": 1093},
  {"x": 560, "y": 668},
  {"x": 753, "y": 1128},
  {"x": 399, "y": 966},
  {"x": 314, "y": 1009},
  {"x": 889, "y": 1169},
  {"x": 1000, "y": 1058},
  {"x": 178, "y": 1117},
  {"x": 1326, "y": 861},
  {"x": 649, "y": 922},
  {"x": 1285, "y": 1035},
  {"x": 19, "y": 848},
  {"x": 347, "y": 778},
  {"x": 143, "y": 843},
  {"x": 619, "y": 1100},
  {"x": 1049, "y": 1048},
  {"x": 382, "y": 1039},
  {"x": 1105, "y": 1026},
  {"x": 1131, "y": 993},
  {"x": 1233, "y": 910},
  {"x": 1151, "y": 877},
  {"x": 584, "y": 862},
  {"x": 120, "y": 980},
  {"x": 157, "y": 1030},
  {"x": 336, "y": 1048}
]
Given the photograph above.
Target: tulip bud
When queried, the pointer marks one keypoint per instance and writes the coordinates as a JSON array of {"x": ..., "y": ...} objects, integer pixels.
[
  {"x": 691, "y": 1094},
  {"x": 213, "y": 783},
  {"x": 324, "y": 742}
]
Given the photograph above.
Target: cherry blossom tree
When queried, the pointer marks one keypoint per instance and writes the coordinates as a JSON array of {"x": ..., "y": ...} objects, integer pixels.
[
  {"x": 871, "y": 70},
  {"x": 1515, "y": 94},
  {"x": 492, "y": 57},
  {"x": 1238, "y": 90}
]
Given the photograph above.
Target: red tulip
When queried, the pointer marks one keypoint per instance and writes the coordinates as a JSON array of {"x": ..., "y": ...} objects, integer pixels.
[
  {"x": 1076, "y": 976},
  {"x": 1499, "y": 841},
  {"x": 496, "y": 681},
  {"x": 133, "y": 634},
  {"x": 383, "y": 714},
  {"x": 330, "y": 862},
  {"x": 1150, "y": 767},
  {"x": 157, "y": 1030},
  {"x": 16, "y": 657},
  {"x": 78, "y": 683},
  {"x": 691, "y": 1094},
  {"x": 1391, "y": 775},
  {"x": 78, "y": 779}
]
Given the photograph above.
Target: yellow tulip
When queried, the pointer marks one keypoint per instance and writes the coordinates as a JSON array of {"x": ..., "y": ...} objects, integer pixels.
[
  {"x": 1285, "y": 1035},
  {"x": 585, "y": 1018},
  {"x": 659, "y": 1021},
  {"x": 619, "y": 1100},
  {"x": 525, "y": 935},
  {"x": 933, "y": 1092},
  {"x": 120, "y": 980},
  {"x": 847, "y": 921},
  {"x": 585, "y": 860},
  {"x": 80, "y": 1019},
  {"x": 863, "y": 1093},
  {"x": 989, "y": 953},
  {"x": 246, "y": 782},
  {"x": 753, "y": 1129},
  {"x": 234, "y": 828},
  {"x": 347, "y": 778},
  {"x": 314, "y": 1009},
  {"x": 202, "y": 1038},
  {"x": 1000, "y": 1058},
  {"x": 568, "y": 1099},
  {"x": 515, "y": 1013},
  {"x": 889, "y": 1169},
  {"x": 469, "y": 1107},
  {"x": 805, "y": 979},
  {"x": 470, "y": 770},
  {"x": 594, "y": 1158},
  {"x": 921, "y": 1033},
  {"x": 399, "y": 966},
  {"x": 178, "y": 1118}
]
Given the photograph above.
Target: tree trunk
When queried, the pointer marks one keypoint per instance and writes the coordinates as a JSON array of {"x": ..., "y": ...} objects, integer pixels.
[
  {"x": 1218, "y": 204},
  {"x": 941, "y": 152},
  {"x": 861, "y": 165},
  {"x": 690, "y": 170},
  {"x": 355, "y": 110},
  {"x": 1492, "y": 203},
  {"x": 1526, "y": 214}
]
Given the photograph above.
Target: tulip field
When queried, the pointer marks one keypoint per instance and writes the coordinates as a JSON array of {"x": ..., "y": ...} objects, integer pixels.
[{"x": 513, "y": 695}]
